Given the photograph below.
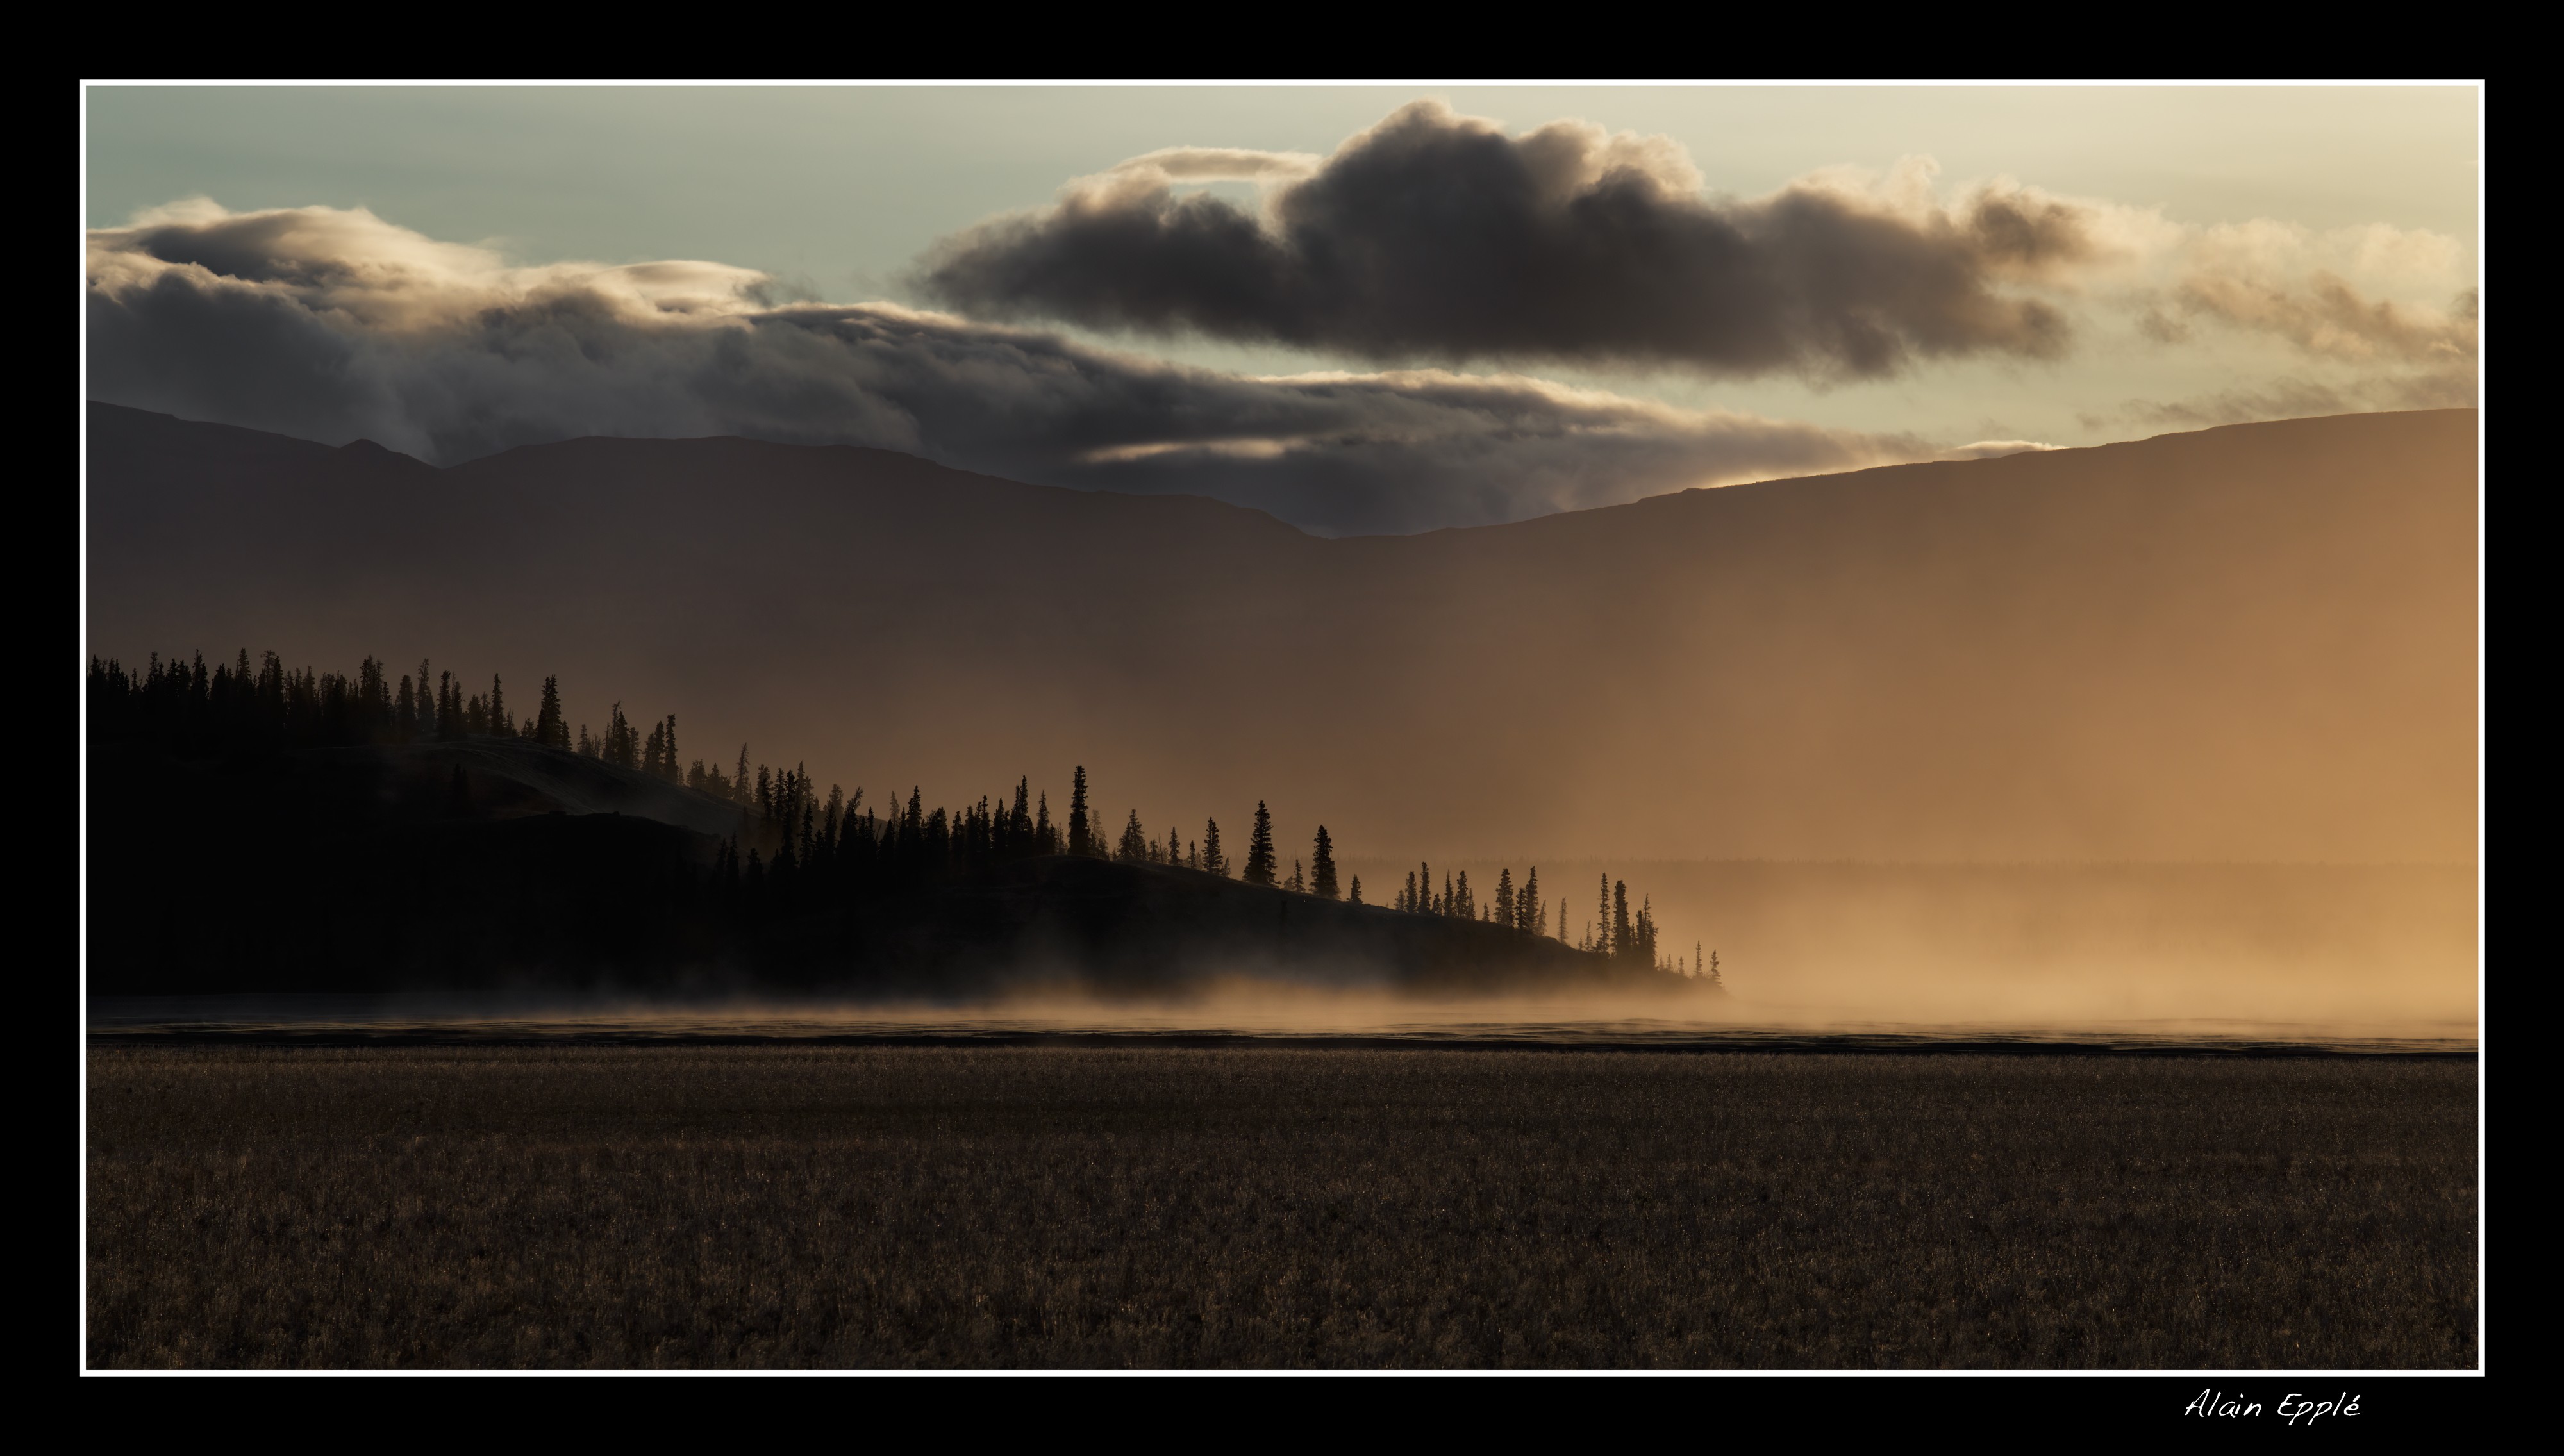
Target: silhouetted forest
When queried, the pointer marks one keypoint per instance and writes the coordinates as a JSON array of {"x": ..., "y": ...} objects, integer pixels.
[{"x": 259, "y": 824}]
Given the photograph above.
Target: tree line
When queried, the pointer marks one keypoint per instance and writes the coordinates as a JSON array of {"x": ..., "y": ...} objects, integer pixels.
[{"x": 796, "y": 850}]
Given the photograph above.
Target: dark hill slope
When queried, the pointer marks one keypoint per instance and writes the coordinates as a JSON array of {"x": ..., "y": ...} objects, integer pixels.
[{"x": 491, "y": 863}]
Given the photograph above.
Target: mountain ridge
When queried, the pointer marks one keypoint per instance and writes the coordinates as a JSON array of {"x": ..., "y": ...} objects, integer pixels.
[{"x": 2254, "y": 642}]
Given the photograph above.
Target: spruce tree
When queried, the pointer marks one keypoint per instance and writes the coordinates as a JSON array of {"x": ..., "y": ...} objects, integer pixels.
[
  {"x": 1602, "y": 919},
  {"x": 1355, "y": 892},
  {"x": 549, "y": 729},
  {"x": 1212, "y": 860},
  {"x": 1322, "y": 865},
  {"x": 1134, "y": 845},
  {"x": 1079, "y": 842},
  {"x": 1623, "y": 934},
  {"x": 498, "y": 723},
  {"x": 1504, "y": 906},
  {"x": 1531, "y": 915},
  {"x": 1259, "y": 848},
  {"x": 1296, "y": 885}
]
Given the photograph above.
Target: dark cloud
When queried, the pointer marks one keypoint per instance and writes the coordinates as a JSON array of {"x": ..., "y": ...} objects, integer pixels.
[
  {"x": 333, "y": 326},
  {"x": 1435, "y": 235}
]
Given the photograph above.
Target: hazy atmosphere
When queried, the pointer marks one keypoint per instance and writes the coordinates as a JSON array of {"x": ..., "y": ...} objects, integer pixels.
[{"x": 1810, "y": 728}]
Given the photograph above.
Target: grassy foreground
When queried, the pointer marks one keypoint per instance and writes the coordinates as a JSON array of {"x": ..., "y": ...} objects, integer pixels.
[{"x": 1035, "y": 1207}]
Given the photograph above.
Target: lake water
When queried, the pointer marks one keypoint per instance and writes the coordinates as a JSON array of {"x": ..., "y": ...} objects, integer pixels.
[{"x": 1316, "y": 1021}]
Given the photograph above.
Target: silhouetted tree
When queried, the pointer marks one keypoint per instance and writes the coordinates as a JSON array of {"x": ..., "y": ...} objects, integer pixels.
[
  {"x": 1134, "y": 845},
  {"x": 1259, "y": 848},
  {"x": 549, "y": 729},
  {"x": 1079, "y": 842},
  {"x": 1322, "y": 865},
  {"x": 622, "y": 745},
  {"x": 498, "y": 723},
  {"x": 1211, "y": 859},
  {"x": 1354, "y": 895}
]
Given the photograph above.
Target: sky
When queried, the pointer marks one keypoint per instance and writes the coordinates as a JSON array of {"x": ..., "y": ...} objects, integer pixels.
[{"x": 1364, "y": 309}]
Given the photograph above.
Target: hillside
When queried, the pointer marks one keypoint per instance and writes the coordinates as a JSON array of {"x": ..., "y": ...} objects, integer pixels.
[
  {"x": 2249, "y": 643},
  {"x": 493, "y": 863}
]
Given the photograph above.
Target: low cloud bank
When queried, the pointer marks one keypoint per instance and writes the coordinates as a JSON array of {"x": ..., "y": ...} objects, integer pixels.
[{"x": 335, "y": 325}]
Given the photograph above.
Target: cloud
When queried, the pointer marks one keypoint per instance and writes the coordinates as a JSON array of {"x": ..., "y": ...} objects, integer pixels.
[
  {"x": 2292, "y": 397},
  {"x": 1435, "y": 235},
  {"x": 332, "y": 324},
  {"x": 1990, "y": 449}
]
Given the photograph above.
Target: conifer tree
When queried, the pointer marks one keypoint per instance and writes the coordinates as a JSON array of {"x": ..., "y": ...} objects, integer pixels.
[
  {"x": 1504, "y": 906},
  {"x": 1193, "y": 854},
  {"x": 1259, "y": 848},
  {"x": 1134, "y": 845},
  {"x": 1322, "y": 865},
  {"x": 1531, "y": 916},
  {"x": 1602, "y": 919},
  {"x": 1406, "y": 897},
  {"x": 1045, "y": 839},
  {"x": 1296, "y": 885},
  {"x": 1079, "y": 842},
  {"x": 498, "y": 723},
  {"x": 1623, "y": 937},
  {"x": 549, "y": 729},
  {"x": 1211, "y": 859},
  {"x": 1356, "y": 891}
]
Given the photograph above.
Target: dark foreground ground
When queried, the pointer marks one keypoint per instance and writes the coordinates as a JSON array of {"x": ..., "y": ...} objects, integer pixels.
[{"x": 1034, "y": 1207}]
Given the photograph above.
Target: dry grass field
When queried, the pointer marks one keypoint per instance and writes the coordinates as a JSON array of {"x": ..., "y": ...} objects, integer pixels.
[{"x": 1063, "y": 1207}]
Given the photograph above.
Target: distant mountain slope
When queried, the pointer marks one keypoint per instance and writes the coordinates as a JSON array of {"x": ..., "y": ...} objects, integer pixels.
[{"x": 2254, "y": 641}]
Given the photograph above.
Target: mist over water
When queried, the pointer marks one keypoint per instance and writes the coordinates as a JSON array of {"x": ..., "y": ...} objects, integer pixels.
[
  {"x": 1858, "y": 956},
  {"x": 1238, "y": 1011}
]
